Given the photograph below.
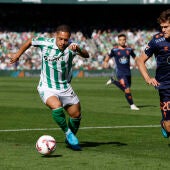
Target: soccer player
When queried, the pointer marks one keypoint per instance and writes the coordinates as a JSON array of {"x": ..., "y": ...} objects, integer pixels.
[
  {"x": 121, "y": 55},
  {"x": 159, "y": 46},
  {"x": 54, "y": 88}
]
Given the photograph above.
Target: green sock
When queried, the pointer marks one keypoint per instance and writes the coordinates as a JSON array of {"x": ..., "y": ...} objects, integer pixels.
[
  {"x": 73, "y": 124},
  {"x": 60, "y": 118}
]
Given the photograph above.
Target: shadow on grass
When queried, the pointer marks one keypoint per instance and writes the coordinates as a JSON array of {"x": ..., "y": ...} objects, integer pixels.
[
  {"x": 94, "y": 144},
  {"x": 51, "y": 156},
  {"x": 149, "y": 105},
  {"x": 142, "y": 106}
]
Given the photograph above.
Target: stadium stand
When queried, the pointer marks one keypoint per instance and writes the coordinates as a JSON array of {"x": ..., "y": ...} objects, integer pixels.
[{"x": 95, "y": 29}]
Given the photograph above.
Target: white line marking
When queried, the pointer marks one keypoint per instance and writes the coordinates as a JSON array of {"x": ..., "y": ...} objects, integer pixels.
[{"x": 84, "y": 128}]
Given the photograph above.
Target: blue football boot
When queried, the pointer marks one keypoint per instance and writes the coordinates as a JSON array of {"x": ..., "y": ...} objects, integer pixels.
[{"x": 72, "y": 141}]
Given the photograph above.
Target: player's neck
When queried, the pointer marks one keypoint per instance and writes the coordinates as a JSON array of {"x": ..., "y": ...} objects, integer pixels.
[{"x": 122, "y": 46}]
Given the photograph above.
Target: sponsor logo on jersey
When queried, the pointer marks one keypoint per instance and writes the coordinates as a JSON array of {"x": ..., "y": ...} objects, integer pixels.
[{"x": 53, "y": 58}]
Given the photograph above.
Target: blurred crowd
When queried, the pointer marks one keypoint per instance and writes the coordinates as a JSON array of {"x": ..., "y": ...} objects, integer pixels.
[{"x": 98, "y": 45}]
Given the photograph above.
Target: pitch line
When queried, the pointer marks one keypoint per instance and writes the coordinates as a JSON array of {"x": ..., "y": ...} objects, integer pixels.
[{"x": 83, "y": 128}]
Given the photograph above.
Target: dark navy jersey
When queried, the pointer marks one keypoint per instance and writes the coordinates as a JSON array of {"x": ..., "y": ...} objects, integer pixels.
[
  {"x": 160, "y": 47},
  {"x": 122, "y": 59}
]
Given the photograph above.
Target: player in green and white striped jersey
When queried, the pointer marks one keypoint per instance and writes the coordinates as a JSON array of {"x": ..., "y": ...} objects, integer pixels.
[
  {"x": 56, "y": 64},
  {"x": 54, "y": 88}
]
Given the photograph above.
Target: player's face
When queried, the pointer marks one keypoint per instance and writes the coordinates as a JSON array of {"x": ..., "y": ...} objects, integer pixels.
[
  {"x": 122, "y": 41},
  {"x": 62, "y": 39},
  {"x": 165, "y": 26}
]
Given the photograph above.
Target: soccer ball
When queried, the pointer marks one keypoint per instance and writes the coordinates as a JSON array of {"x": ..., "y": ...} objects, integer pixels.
[{"x": 46, "y": 145}]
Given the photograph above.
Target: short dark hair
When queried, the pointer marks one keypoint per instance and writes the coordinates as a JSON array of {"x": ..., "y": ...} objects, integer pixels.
[
  {"x": 63, "y": 28},
  {"x": 121, "y": 35},
  {"x": 164, "y": 16}
]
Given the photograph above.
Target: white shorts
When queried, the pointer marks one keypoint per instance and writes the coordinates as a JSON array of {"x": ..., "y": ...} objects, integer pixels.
[{"x": 67, "y": 97}]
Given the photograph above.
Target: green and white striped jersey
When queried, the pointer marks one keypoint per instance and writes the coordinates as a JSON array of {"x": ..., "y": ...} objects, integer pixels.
[{"x": 56, "y": 66}]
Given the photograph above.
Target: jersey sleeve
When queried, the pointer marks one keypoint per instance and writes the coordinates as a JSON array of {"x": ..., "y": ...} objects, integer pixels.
[
  {"x": 111, "y": 54},
  {"x": 38, "y": 41},
  {"x": 150, "y": 48},
  {"x": 133, "y": 53}
]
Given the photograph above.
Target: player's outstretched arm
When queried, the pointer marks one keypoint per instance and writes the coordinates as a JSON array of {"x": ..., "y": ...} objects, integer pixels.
[
  {"x": 140, "y": 61},
  {"x": 15, "y": 56},
  {"x": 82, "y": 52},
  {"x": 105, "y": 62}
]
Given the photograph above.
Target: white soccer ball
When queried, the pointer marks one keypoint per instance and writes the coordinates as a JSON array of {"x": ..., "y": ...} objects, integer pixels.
[{"x": 46, "y": 145}]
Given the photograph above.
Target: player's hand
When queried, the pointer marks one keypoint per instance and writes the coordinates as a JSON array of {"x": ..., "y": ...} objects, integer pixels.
[
  {"x": 76, "y": 48},
  {"x": 153, "y": 82},
  {"x": 73, "y": 47},
  {"x": 13, "y": 57}
]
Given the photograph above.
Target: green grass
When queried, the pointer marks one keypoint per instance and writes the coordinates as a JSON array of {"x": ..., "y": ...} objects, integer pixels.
[{"x": 128, "y": 148}]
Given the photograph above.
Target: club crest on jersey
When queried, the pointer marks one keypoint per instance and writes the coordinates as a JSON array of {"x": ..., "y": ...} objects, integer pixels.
[{"x": 123, "y": 60}]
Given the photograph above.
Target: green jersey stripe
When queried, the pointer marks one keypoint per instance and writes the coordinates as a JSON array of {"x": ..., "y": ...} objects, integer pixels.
[
  {"x": 63, "y": 66},
  {"x": 48, "y": 75},
  {"x": 70, "y": 62},
  {"x": 56, "y": 75}
]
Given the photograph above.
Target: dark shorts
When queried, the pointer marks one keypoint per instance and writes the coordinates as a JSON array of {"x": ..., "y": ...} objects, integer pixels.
[
  {"x": 165, "y": 103},
  {"x": 127, "y": 80}
]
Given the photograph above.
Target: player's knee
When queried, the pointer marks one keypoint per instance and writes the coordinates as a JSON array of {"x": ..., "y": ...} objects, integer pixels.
[
  {"x": 74, "y": 111},
  {"x": 127, "y": 90},
  {"x": 165, "y": 128},
  {"x": 76, "y": 114}
]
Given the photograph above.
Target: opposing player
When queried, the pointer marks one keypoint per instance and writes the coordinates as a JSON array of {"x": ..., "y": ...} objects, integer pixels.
[
  {"x": 159, "y": 46},
  {"x": 122, "y": 54},
  {"x": 54, "y": 87}
]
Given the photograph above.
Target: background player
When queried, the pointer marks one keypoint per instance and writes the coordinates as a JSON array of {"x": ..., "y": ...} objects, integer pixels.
[
  {"x": 122, "y": 54},
  {"x": 160, "y": 47},
  {"x": 54, "y": 87}
]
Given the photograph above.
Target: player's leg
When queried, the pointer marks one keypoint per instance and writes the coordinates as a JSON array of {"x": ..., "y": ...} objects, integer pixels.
[
  {"x": 119, "y": 84},
  {"x": 49, "y": 97},
  {"x": 74, "y": 112},
  {"x": 128, "y": 96},
  {"x": 72, "y": 105},
  {"x": 165, "y": 128},
  {"x": 59, "y": 117},
  {"x": 57, "y": 112},
  {"x": 73, "y": 124},
  {"x": 165, "y": 110},
  {"x": 113, "y": 80},
  {"x": 126, "y": 83}
]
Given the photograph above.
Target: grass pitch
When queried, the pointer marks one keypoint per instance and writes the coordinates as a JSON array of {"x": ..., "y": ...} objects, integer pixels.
[{"x": 111, "y": 135}]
